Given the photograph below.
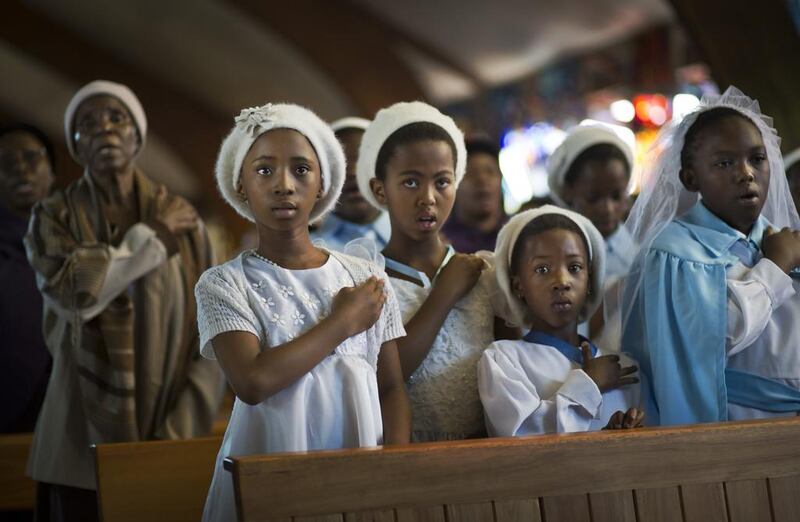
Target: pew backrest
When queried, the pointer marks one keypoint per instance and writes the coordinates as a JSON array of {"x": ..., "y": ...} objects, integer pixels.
[
  {"x": 717, "y": 472},
  {"x": 17, "y": 491},
  {"x": 157, "y": 480}
]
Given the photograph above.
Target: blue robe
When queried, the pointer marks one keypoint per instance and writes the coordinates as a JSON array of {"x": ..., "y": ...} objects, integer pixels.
[{"x": 678, "y": 322}]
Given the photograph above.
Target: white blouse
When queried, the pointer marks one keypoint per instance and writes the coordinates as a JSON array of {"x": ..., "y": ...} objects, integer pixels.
[
  {"x": 443, "y": 391},
  {"x": 529, "y": 388},
  {"x": 336, "y": 404}
]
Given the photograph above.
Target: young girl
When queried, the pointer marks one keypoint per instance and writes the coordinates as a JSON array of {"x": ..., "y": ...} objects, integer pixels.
[
  {"x": 590, "y": 173},
  {"x": 411, "y": 160},
  {"x": 305, "y": 336},
  {"x": 711, "y": 306},
  {"x": 549, "y": 266}
]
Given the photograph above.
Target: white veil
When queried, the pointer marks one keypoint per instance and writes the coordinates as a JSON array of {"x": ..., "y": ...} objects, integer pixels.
[{"x": 663, "y": 197}]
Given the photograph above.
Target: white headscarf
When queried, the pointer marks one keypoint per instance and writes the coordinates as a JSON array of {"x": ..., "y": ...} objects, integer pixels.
[
  {"x": 389, "y": 120},
  {"x": 578, "y": 140},
  {"x": 515, "y": 311},
  {"x": 350, "y": 122},
  {"x": 103, "y": 87},
  {"x": 252, "y": 123}
]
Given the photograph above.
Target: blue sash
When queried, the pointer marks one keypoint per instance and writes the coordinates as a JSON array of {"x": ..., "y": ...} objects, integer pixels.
[
  {"x": 573, "y": 353},
  {"x": 753, "y": 391},
  {"x": 415, "y": 275}
]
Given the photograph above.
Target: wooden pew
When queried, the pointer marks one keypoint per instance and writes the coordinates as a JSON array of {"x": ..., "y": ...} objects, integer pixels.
[
  {"x": 152, "y": 481},
  {"x": 735, "y": 472},
  {"x": 17, "y": 492}
]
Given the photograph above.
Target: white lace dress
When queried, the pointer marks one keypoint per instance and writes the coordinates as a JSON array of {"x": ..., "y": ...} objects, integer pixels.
[
  {"x": 335, "y": 405},
  {"x": 443, "y": 391}
]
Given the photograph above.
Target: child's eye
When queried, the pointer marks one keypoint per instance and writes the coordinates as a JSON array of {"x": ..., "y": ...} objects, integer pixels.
[
  {"x": 302, "y": 170},
  {"x": 264, "y": 171},
  {"x": 541, "y": 269},
  {"x": 443, "y": 182},
  {"x": 759, "y": 159},
  {"x": 575, "y": 268},
  {"x": 723, "y": 163},
  {"x": 410, "y": 183}
]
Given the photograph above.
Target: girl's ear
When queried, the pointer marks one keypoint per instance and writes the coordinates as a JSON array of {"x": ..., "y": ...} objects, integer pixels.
[
  {"x": 516, "y": 286},
  {"x": 689, "y": 180},
  {"x": 240, "y": 191},
  {"x": 378, "y": 191}
]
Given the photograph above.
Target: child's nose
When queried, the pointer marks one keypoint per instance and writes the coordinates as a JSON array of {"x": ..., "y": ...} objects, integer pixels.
[
  {"x": 427, "y": 195},
  {"x": 283, "y": 182}
]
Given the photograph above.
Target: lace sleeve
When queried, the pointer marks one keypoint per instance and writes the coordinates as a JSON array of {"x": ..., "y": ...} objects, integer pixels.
[{"x": 221, "y": 307}]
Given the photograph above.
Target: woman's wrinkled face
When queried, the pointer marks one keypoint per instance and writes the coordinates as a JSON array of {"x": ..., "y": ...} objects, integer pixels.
[{"x": 105, "y": 135}]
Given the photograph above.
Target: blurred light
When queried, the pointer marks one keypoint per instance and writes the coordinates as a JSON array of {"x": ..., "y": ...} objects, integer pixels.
[
  {"x": 658, "y": 115},
  {"x": 651, "y": 109},
  {"x": 522, "y": 162},
  {"x": 623, "y": 111},
  {"x": 683, "y": 104}
]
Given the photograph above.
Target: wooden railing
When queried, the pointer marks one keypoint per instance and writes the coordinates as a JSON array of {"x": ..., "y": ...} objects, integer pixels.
[
  {"x": 748, "y": 472},
  {"x": 17, "y": 492}
]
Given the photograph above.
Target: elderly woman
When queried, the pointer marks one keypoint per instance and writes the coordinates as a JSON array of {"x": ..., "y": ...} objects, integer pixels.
[
  {"x": 116, "y": 258},
  {"x": 26, "y": 176}
]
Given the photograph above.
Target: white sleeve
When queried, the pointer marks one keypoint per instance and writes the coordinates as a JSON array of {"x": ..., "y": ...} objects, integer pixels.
[
  {"x": 221, "y": 307},
  {"x": 514, "y": 407},
  {"x": 753, "y": 294}
]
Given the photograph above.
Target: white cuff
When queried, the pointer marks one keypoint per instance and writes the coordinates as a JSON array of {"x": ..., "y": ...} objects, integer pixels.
[
  {"x": 777, "y": 283},
  {"x": 581, "y": 389}
]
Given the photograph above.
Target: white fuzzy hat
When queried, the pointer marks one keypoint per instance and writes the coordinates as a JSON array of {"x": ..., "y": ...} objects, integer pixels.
[
  {"x": 516, "y": 312},
  {"x": 350, "y": 122},
  {"x": 103, "y": 87},
  {"x": 578, "y": 140},
  {"x": 389, "y": 120},
  {"x": 255, "y": 121},
  {"x": 790, "y": 159}
]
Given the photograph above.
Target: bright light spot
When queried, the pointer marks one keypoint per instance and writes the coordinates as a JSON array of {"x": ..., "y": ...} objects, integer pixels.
[
  {"x": 623, "y": 111},
  {"x": 658, "y": 116},
  {"x": 683, "y": 104}
]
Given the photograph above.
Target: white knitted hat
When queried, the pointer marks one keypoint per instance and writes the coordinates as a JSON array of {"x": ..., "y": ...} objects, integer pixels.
[
  {"x": 350, "y": 122},
  {"x": 103, "y": 87},
  {"x": 255, "y": 121},
  {"x": 516, "y": 310},
  {"x": 578, "y": 140},
  {"x": 389, "y": 120}
]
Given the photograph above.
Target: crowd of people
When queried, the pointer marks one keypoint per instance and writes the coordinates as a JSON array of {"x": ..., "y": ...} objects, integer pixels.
[{"x": 388, "y": 297}]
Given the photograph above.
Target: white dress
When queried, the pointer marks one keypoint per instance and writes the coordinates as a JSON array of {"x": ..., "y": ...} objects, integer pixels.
[
  {"x": 443, "y": 391},
  {"x": 528, "y": 388},
  {"x": 336, "y": 404}
]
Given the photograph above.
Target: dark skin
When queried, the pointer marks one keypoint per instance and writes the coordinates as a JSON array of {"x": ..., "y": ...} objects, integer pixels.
[
  {"x": 352, "y": 206},
  {"x": 106, "y": 143},
  {"x": 26, "y": 175},
  {"x": 793, "y": 176},
  {"x": 281, "y": 182},
  {"x": 479, "y": 199},
  {"x": 599, "y": 192},
  {"x": 553, "y": 280},
  {"x": 731, "y": 172},
  {"x": 419, "y": 190}
]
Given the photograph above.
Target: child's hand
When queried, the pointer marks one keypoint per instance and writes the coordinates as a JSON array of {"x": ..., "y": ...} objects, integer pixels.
[
  {"x": 633, "y": 418},
  {"x": 460, "y": 275},
  {"x": 782, "y": 248},
  {"x": 606, "y": 371},
  {"x": 358, "y": 307}
]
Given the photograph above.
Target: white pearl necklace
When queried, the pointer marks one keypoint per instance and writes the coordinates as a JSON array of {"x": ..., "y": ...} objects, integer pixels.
[{"x": 264, "y": 259}]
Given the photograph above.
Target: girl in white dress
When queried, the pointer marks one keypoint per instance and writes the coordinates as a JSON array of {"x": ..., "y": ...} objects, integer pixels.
[
  {"x": 411, "y": 160},
  {"x": 306, "y": 337},
  {"x": 549, "y": 266}
]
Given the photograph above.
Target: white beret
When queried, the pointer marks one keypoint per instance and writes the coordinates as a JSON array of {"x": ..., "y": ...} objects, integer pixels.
[
  {"x": 350, "y": 122},
  {"x": 389, "y": 120},
  {"x": 255, "y": 121},
  {"x": 578, "y": 140}
]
